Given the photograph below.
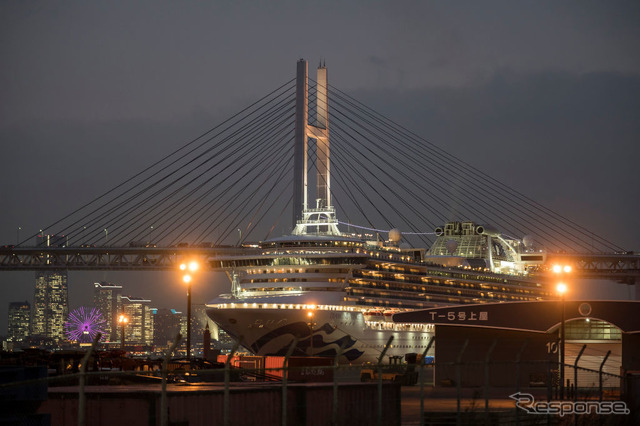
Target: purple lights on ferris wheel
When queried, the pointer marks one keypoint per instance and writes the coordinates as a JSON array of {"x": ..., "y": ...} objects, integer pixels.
[{"x": 83, "y": 324}]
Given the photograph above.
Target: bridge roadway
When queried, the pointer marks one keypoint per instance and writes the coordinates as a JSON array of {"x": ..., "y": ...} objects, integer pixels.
[
  {"x": 620, "y": 267},
  {"x": 110, "y": 258}
]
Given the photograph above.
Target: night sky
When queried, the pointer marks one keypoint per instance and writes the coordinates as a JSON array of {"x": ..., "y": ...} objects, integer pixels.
[{"x": 543, "y": 95}]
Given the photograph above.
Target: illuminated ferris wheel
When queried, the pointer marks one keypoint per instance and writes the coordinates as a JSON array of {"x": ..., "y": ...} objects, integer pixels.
[{"x": 84, "y": 324}]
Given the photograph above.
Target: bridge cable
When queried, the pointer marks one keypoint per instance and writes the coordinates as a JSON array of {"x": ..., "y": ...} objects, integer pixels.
[
  {"x": 488, "y": 178},
  {"x": 157, "y": 163}
]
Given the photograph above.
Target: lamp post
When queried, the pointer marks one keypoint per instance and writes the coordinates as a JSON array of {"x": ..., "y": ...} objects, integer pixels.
[
  {"x": 191, "y": 267},
  {"x": 310, "y": 324},
  {"x": 122, "y": 320},
  {"x": 562, "y": 289},
  {"x": 560, "y": 271}
]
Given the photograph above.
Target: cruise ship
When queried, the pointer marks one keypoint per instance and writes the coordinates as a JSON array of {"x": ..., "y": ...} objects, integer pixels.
[{"x": 333, "y": 290}]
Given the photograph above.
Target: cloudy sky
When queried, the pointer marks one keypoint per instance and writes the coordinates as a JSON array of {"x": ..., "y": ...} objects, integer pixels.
[{"x": 544, "y": 95}]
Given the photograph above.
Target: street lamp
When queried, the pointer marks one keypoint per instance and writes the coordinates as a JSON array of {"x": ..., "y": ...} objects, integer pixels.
[
  {"x": 190, "y": 267},
  {"x": 122, "y": 320},
  {"x": 561, "y": 288},
  {"x": 311, "y": 324},
  {"x": 560, "y": 271}
]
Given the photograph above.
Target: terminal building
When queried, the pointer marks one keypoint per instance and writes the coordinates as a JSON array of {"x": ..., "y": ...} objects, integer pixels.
[{"x": 601, "y": 333}]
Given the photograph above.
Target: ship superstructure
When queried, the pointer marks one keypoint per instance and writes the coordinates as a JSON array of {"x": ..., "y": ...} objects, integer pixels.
[
  {"x": 329, "y": 289},
  {"x": 339, "y": 287}
]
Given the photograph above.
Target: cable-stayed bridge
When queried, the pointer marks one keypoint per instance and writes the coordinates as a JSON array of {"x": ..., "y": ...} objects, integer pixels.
[{"x": 237, "y": 183}]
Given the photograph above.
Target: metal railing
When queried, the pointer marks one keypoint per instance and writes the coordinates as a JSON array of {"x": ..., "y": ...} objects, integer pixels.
[{"x": 482, "y": 400}]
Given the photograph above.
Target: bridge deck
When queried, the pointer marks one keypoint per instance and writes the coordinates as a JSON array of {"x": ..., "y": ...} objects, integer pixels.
[
  {"x": 110, "y": 258},
  {"x": 624, "y": 268}
]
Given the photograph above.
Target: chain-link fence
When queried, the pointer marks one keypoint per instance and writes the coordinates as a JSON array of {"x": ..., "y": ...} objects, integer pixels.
[{"x": 250, "y": 390}]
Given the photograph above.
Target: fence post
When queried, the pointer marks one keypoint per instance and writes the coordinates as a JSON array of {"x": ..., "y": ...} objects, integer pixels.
[
  {"x": 227, "y": 366},
  {"x": 164, "y": 413},
  {"x": 459, "y": 380},
  {"x": 285, "y": 373},
  {"x": 336, "y": 364},
  {"x": 82, "y": 401},
  {"x": 600, "y": 372},
  {"x": 424, "y": 354},
  {"x": 550, "y": 381},
  {"x": 486, "y": 375},
  {"x": 518, "y": 357},
  {"x": 575, "y": 374},
  {"x": 380, "y": 358}
]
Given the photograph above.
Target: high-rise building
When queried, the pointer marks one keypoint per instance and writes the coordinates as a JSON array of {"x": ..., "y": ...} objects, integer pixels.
[
  {"x": 19, "y": 320},
  {"x": 50, "y": 304},
  {"x": 139, "y": 329},
  {"x": 166, "y": 325},
  {"x": 199, "y": 322},
  {"x": 51, "y": 297},
  {"x": 223, "y": 340},
  {"x": 106, "y": 297}
]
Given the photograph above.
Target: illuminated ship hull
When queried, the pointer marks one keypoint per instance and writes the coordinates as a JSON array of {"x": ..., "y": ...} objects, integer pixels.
[{"x": 269, "y": 331}]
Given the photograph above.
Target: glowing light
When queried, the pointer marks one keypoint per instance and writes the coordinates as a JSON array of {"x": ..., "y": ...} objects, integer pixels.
[
  {"x": 83, "y": 325},
  {"x": 309, "y": 314},
  {"x": 123, "y": 319},
  {"x": 562, "y": 268},
  {"x": 187, "y": 278},
  {"x": 183, "y": 266},
  {"x": 193, "y": 266},
  {"x": 561, "y": 288}
]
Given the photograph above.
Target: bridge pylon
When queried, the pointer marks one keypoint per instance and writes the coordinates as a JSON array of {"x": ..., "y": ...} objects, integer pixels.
[{"x": 304, "y": 133}]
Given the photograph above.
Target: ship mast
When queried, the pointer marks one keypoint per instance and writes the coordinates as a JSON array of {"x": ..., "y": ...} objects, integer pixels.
[{"x": 321, "y": 219}]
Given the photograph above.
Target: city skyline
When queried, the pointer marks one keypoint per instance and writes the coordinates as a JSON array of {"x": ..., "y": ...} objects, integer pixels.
[
  {"x": 108, "y": 301},
  {"x": 543, "y": 97}
]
